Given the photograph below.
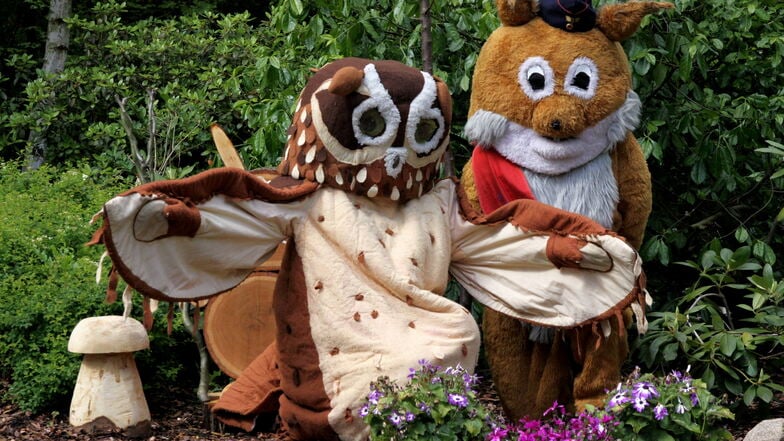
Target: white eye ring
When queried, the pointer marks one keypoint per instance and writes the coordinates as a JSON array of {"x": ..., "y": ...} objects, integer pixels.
[
  {"x": 582, "y": 69},
  {"x": 536, "y": 78},
  {"x": 421, "y": 109},
  {"x": 380, "y": 99}
]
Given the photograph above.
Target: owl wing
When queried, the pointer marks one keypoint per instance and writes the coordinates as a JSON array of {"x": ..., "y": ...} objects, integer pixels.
[
  {"x": 542, "y": 265},
  {"x": 193, "y": 238}
]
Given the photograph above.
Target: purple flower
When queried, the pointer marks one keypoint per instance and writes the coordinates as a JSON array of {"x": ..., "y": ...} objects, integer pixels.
[
  {"x": 694, "y": 399},
  {"x": 374, "y": 395},
  {"x": 395, "y": 419},
  {"x": 424, "y": 408},
  {"x": 364, "y": 410},
  {"x": 410, "y": 416},
  {"x": 599, "y": 430},
  {"x": 659, "y": 412},
  {"x": 555, "y": 408},
  {"x": 469, "y": 380},
  {"x": 644, "y": 390},
  {"x": 620, "y": 398},
  {"x": 531, "y": 425},
  {"x": 457, "y": 400},
  {"x": 640, "y": 404}
]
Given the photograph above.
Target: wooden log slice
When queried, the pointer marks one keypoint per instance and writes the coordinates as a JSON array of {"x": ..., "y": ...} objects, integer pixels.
[{"x": 239, "y": 324}]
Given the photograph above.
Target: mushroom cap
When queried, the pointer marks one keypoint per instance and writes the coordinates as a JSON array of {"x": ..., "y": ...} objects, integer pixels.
[{"x": 110, "y": 334}]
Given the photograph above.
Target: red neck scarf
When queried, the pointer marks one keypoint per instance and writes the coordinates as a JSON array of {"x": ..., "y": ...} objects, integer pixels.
[{"x": 497, "y": 180}]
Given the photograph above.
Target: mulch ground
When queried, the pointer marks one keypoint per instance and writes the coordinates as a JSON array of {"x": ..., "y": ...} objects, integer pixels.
[{"x": 178, "y": 416}]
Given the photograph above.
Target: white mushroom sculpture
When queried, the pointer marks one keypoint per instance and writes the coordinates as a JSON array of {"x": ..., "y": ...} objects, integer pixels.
[{"x": 108, "y": 392}]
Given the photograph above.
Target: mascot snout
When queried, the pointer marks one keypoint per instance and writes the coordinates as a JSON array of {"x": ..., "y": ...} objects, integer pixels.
[{"x": 559, "y": 117}]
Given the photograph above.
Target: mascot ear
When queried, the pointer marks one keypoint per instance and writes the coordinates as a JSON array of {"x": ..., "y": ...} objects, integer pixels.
[
  {"x": 619, "y": 21},
  {"x": 516, "y": 12},
  {"x": 444, "y": 99},
  {"x": 346, "y": 80}
]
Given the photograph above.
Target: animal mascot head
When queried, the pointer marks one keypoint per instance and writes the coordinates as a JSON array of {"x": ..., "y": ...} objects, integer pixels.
[
  {"x": 373, "y": 129},
  {"x": 552, "y": 113}
]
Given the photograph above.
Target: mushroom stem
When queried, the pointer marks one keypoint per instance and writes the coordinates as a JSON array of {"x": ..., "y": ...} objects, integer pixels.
[{"x": 108, "y": 395}]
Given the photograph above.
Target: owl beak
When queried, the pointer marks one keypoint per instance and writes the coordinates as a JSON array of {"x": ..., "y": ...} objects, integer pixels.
[{"x": 394, "y": 159}]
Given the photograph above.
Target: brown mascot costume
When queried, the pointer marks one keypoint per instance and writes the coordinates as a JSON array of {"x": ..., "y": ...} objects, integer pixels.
[
  {"x": 551, "y": 117},
  {"x": 371, "y": 238}
]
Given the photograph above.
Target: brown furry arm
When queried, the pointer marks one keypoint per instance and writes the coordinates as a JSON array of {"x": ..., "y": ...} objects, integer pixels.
[
  {"x": 467, "y": 182},
  {"x": 634, "y": 187}
]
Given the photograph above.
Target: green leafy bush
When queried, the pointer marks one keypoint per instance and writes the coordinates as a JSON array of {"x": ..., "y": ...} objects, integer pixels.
[
  {"x": 196, "y": 67},
  {"x": 47, "y": 284},
  {"x": 729, "y": 326}
]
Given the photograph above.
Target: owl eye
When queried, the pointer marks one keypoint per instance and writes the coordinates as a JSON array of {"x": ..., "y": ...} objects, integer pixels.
[
  {"x": 372, "y": 123},
  {"x": 582, "y": 78},
  {"x": 536, "y": 78},
  {"x": 425, "y": 130}
]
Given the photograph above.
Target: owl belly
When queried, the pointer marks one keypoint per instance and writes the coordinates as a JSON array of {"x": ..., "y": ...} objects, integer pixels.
[
  {"x": 374, "y": 275},
  {"x": 590, "y": 190}
]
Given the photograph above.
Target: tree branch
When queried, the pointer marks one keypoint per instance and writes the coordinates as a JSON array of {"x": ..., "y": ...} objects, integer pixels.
[{"x": 204, "y": 373}]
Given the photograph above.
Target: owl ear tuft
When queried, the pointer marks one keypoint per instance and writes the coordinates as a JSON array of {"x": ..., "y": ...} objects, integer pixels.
[
  {"x": 444, "y": 99},
  {"x": 346, "y": 80}
]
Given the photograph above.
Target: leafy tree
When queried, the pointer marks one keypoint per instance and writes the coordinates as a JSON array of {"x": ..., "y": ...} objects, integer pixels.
[{"x": 711, "y": 83}]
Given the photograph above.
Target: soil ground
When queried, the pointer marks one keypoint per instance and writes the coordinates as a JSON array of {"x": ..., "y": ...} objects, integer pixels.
[{"x": 178, "y": 416}]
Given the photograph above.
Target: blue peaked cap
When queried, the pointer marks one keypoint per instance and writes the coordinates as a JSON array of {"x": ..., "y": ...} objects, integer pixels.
[{"x": 569, "y": 15}]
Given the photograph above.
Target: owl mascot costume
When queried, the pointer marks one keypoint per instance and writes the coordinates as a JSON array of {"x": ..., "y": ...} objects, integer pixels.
[
  {"x": 371, "y": 239},
  {"x": 552, "y": 113}
]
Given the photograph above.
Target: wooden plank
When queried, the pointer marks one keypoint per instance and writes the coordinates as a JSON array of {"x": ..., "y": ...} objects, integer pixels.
[{"x": 225, "y": 147}]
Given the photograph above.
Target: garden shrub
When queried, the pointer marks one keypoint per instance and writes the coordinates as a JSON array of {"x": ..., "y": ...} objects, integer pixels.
[
  {"x": 442, "y": 404},
  {"x": 729, "y": 326},
  {"x": 47, "y": 284},
  {"x": 673, "y": 407}
]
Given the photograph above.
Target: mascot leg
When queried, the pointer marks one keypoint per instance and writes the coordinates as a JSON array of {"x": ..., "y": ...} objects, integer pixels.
[
  {"x": 528, "y": 376},
  {"x": 256, "y": 392},
  {"x": 601, "y": 366}
]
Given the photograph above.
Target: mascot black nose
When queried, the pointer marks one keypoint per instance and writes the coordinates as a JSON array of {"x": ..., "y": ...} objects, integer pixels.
[{"x": 555, "y": 124}]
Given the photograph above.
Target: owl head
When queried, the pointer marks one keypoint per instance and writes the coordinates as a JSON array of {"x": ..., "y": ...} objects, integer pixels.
[{"x": 373, "y": 128}]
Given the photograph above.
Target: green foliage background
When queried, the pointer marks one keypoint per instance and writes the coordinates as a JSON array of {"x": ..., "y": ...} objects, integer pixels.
[
  {"x": 48, "y": 284},
  {"x": 709, "y": 76}
]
